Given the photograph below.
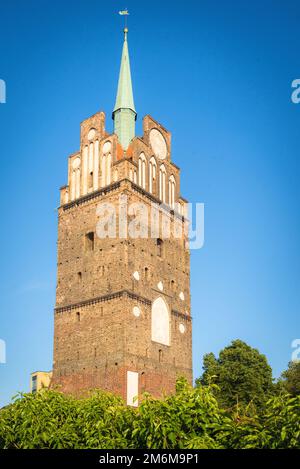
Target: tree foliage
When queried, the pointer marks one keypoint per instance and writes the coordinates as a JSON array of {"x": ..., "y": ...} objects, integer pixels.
[
  {"x": 234, "y": 405},
  {"x": 191, "y": 418},
  {"x": 290, "y": 378},
  {"x": 241, "y": 373}
]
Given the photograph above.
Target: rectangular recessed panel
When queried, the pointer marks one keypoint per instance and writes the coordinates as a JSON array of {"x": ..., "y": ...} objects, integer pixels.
[{"x": 132, "y": 388}]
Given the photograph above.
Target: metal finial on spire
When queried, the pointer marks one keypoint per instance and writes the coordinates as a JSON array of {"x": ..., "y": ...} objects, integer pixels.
[{"x": 125, "y": 13}]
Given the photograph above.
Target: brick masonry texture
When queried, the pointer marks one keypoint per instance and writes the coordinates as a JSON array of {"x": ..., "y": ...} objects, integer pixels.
[{"x": 97, "y": 338}]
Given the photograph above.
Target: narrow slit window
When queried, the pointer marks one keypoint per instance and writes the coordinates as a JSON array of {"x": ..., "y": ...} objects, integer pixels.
[
  {"x": 91, "y": 179},
  {"x": 159, "y": 244},
  {"x": 90, "y": 241}
]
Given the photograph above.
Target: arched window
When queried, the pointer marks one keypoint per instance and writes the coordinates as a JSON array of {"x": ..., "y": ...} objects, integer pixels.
[
  {"x": 96, "y": 164},
  {"x": 172, "y": 192},
  {"x": 91, "y": 180},
  {"x": 132, "y": 175},
  {"x": 159, "y": 244},
  {"x": 90, "y": 169},
  {"x": 142, "y": 171},
  {"x": 106, "y": 164},
  {"x": 152, "y": 174},
  {"x": 162, "y": 183},
  {"x": 91, "y": 157},
  {"x": 160, "y": 322},
  {"x": 108, "y": 169},
  {"x": 85, "y": 170},
  {"x": 75, "y": 179},
  {"x": 73, "y": 185},
  {"x": 103, "y": 171}
]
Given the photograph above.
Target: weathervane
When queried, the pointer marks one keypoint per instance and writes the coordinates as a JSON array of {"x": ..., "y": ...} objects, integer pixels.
[{"x": 125, "y": 13}]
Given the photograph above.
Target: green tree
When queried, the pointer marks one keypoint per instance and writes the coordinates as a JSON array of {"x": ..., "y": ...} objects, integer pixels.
[
  {"x": 50, "y": 419},
  {"x": 290, "y": 378},
  {"x": 241, "y": 373},
  {"x": 190, "y": 418}
]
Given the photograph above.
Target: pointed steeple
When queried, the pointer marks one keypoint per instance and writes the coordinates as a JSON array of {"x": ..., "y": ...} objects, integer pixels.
[
  {"x": 124, "y": 113},
  {"x": 125, "y": 95}
]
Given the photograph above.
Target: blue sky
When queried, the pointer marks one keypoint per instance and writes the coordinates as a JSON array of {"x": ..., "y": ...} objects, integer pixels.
[{"x": 218, "y": 75}]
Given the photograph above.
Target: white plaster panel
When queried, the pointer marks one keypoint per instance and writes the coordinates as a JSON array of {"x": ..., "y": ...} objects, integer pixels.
[
  {"x": 136, "y": 311},
  {"x": 136, "y": 276},
  {"x": 160, "y": 322},
  {"x": 132, "y": 388}
]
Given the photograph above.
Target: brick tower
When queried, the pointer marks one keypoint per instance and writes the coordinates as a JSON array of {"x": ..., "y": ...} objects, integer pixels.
[{"x": 122, "y": 315}]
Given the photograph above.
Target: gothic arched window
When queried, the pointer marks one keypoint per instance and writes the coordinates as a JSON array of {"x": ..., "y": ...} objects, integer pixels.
[
  {"x": 106, "y": 164},
  {"x": 162, "y": 183},
  {"x": 160, "y": 322},
  {"x": 172, "y": 192},
  {"x": 142, "y": 171},
  {"x": 152, "y": 174},
  {"x": 75, "y": 179}
]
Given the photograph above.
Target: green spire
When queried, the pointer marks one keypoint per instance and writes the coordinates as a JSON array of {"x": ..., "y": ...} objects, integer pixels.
[{"x": 124, "y": 114}]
